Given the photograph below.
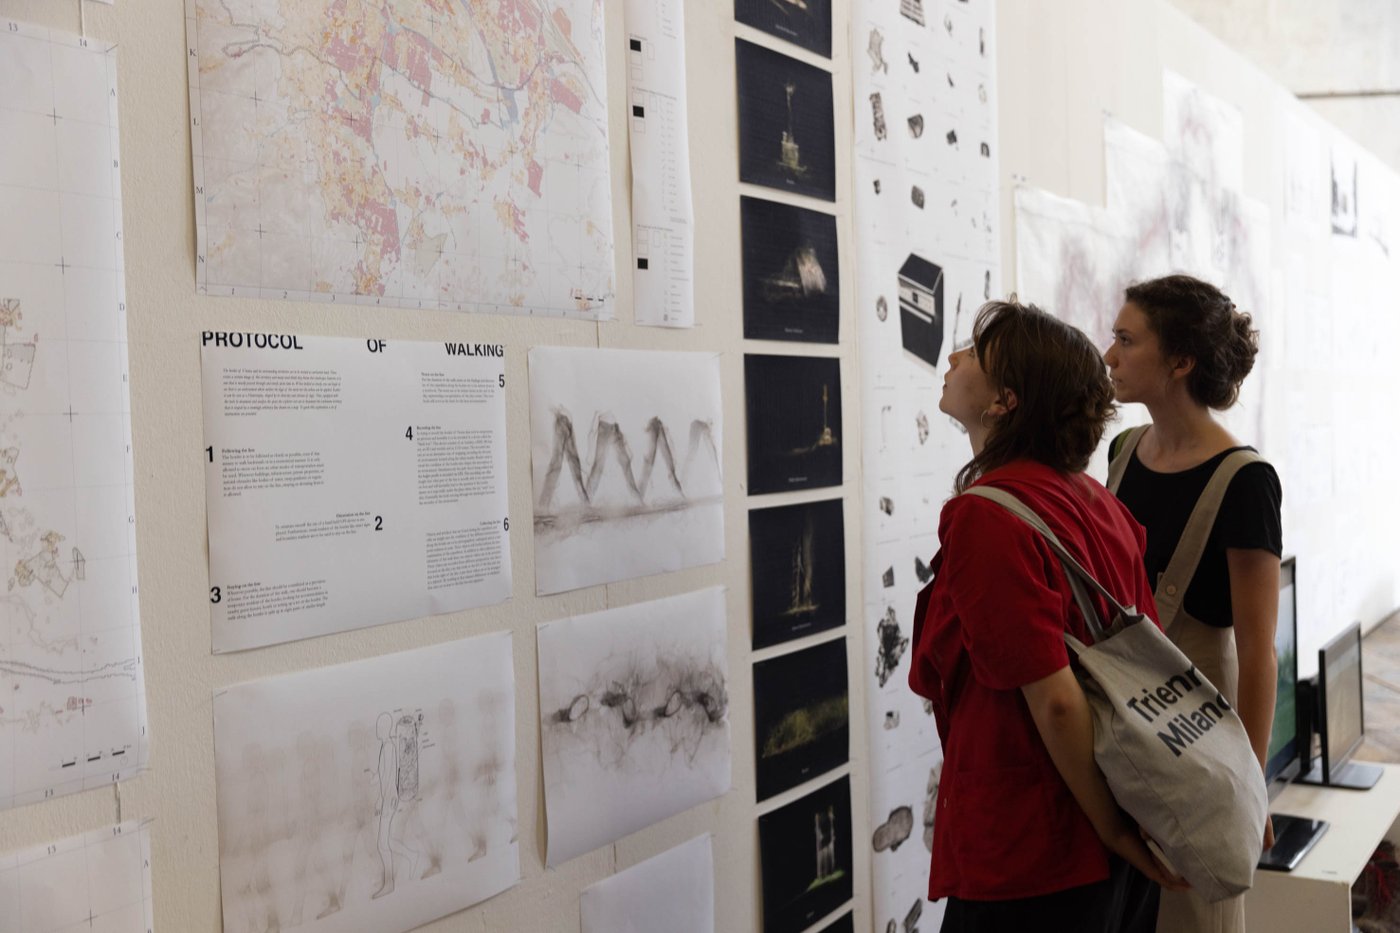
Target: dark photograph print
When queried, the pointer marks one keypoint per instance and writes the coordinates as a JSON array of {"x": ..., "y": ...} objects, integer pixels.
[
  {"x": 797, "y": 554},
  {"x": 786, "y": 132},
  {"x": 802, "y": 725},
  {"x": 804, "y": 850},
  {"x": 794, "y": 422},
  {"x": 791, "y": 288},
  {"x": 802, "y": 22}
]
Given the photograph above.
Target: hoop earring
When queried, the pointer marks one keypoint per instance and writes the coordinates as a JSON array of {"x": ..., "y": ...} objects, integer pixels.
[{"x": 982, "y": 419}]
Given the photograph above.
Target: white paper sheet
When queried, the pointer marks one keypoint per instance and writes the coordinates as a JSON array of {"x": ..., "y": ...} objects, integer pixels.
[
  {"x": 663, "y": 222},
  {"x": 1203, "y": 132},
  {"x": 403, "y": 153},
  {"x": 369, "y": 797},
  {"x": 1072, "y": 259},
  {"x": 97, "y": 882},
  {"x": 73, "y": 713},
  {"x": 634, "y": 710},
  {"x": 351, "y": 482},
  {"x": 673, "y": 891},
  {"x": 1305, "y": 172},
  {"x": 625, "y": 449},
  {"x": 926, "y": 191}
]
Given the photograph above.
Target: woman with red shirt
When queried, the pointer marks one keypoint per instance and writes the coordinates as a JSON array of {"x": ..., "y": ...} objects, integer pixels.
[{"x": 1027, "y": 834}]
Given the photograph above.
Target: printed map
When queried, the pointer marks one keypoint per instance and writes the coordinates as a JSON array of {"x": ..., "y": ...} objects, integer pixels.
[
  {"x": 419, "y": 153},
  {"x": 72, "y": 704}
]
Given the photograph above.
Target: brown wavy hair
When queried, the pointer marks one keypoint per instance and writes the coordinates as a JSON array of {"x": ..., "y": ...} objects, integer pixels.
[
  {"x": 1195, "y": 319},
  {"x": 1063, "y": 395}
]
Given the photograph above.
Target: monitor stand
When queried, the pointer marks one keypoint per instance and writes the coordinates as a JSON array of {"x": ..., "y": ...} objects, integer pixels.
[
  {"x": 1293, "y": 837},
  {"x": 1351, "y": 776}
]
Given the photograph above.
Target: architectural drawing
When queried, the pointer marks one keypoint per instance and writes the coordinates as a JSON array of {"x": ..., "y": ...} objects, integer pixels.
[
  {"x": 634, "y": 718},
  {"x": 365, "y": 798},
  {"x": 626, "y": 458}
]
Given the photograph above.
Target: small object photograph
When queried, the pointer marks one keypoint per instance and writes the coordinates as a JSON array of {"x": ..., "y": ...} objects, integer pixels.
[
  {"x": 802, "y": 725},
  {"x": 794, "y": 422},
  {"x": 787, "y": 136},
  {"x": 798, "y": 557},
  {"x": 806, "y": 23},
  {"x": 791, "y": 281},
  {"x": 805, "y": 856}
]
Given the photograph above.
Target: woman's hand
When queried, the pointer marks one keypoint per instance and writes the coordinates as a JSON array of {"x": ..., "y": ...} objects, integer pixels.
[
  {"x": 1268, "y": 832},
  {"x": 1130, "y": 844}
]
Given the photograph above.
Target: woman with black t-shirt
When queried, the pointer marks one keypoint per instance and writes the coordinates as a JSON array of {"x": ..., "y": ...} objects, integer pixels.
[{"x": 1211, "y": 507}]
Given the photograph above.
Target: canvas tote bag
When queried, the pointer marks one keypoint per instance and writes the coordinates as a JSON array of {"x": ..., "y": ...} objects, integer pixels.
[{"x": 1173, "y": 749}]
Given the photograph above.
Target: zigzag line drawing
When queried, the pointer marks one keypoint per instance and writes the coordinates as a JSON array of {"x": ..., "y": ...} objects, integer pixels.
[{"x": 609, "y": 441}]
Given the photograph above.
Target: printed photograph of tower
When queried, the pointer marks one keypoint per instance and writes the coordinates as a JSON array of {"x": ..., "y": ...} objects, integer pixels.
[
  {"x": 794, "y": 422},
  {"x": 786, "y": 122},
  {"x": 797, "y": 554}
]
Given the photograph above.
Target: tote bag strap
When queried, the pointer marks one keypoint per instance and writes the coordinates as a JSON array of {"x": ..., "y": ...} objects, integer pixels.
[
  {"x": 1118, "y": 465},
  {"x": 1172, "y": 584},
  {"x": 1074, "y": 572}
]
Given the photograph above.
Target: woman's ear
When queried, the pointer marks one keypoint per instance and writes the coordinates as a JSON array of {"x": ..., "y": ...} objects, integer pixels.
[
  {"x": 1181, "y": 366},
  {"x": 1005, "y": 403}
]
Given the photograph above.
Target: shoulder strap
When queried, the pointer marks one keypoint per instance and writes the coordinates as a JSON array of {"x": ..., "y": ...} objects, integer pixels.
[
  {"x": 1171, "y": 586},
  {"x": 1118, "y": 463},
  {"x": 1074, "y": 571}
]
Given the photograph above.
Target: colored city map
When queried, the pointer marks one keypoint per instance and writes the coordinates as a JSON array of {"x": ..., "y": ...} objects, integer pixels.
[{"x": 418, "y": 153}]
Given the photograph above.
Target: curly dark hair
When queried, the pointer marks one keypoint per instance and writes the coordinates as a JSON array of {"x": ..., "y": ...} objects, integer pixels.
[
  {"x": 1195, "y": 319},
  {"x": 1063, "y": 395}
]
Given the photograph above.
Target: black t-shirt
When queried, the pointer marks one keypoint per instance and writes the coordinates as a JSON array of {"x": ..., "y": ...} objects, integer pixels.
[{"x": 1249, "y": 517}]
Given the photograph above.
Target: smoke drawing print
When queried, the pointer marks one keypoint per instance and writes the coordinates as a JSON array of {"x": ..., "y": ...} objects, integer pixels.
[
  {"x": 634, "y": 709},
  {"x": 626, "y": 461}
]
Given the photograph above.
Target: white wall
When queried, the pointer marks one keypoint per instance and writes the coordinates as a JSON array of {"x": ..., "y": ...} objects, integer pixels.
[
  {"x": 1061, "y": 65},
  {"x": 166, "y": 317},
  {"x": 1326, "y": 427}
]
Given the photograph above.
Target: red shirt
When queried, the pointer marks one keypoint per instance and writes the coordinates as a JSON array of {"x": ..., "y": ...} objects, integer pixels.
[{"x": 1006, "y": 825}]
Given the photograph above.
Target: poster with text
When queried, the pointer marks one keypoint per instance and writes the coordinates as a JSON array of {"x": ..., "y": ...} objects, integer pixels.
[{"x": 350, "y": 482}]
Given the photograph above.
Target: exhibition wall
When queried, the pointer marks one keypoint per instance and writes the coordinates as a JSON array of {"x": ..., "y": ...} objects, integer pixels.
[{"x": 570, "y": 619}]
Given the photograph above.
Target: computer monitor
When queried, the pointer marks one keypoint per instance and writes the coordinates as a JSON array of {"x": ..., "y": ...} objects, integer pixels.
[
  {"x": 1293, "y": 835},
  {"x": 1282, "y": 765},
  {"x": 1341, "y": 714}
]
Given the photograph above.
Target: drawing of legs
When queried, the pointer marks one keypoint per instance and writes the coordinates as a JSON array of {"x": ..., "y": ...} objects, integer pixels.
[{"x": 390, "y": 760}]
